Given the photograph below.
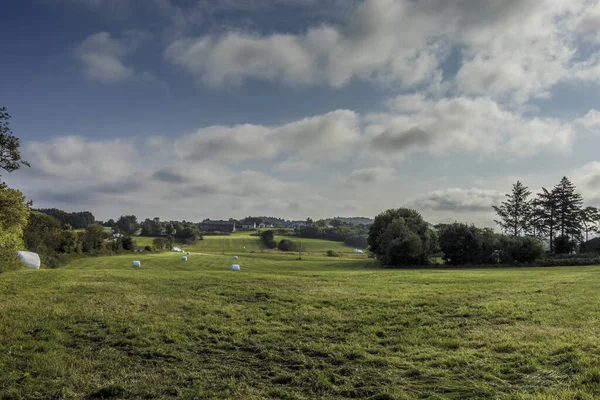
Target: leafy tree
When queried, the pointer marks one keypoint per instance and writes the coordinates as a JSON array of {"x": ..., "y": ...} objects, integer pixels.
[
  {"x": 401, "y": 237},
  {"x": 110, "y": 223},
  {"x": 14, "y": 213},
  {"x": 127, "y": 224},
  {"x": 515, "y": 212},
  {"x": 461, "y": 244},
  {"x": 93, "y": 238},
  {"x": 10, "y": 156}
]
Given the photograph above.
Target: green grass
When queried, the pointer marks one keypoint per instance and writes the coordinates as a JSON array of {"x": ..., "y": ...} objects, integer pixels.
[
  {"x": 236, "y": 242},
  {"x": 327, "y": 328}
]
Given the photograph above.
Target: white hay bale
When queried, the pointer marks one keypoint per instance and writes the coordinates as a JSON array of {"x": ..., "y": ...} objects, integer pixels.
[
  {"x": 31, "y": 260},
  {"x": 188, "y": 253},
  {"x": 183, "y": 258},
  {"x": 136, "y": 264},
  {"x": 235, "y": 267},
  {"x": 176, "y": 249},
  {"x": 235, "y": 257}
]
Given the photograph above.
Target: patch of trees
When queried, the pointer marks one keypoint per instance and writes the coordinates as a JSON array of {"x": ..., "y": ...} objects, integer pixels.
[
  {"x": 464, "y": 244},
  {"x": 336, "y": 230},
  {"x": 77, "y": 220},
  {"x": 556, "y": 215}
]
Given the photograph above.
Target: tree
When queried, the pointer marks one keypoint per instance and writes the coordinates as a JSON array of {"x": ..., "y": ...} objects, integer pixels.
[
  {"x": 10, "y": 156},
  {"x": 93, "y": 238},
  {"x": 590, "y": 216},
  {"x": 569, "y": 210},
  {"x": 461, "y": 244},
  {"x": 14, "y": 213},
  {"x": 401, "y": 237},
  {"x": 127, "y": 224},
  {"x": 515, "y": 212},
  {"x": 546, "y": 212}
]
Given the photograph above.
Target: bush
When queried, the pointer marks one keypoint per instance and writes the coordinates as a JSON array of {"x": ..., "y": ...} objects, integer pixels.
[
  {"x": 147, "y": 248},
  {"x": 268, "y": 238},
  {"x": 285, "y": 245},
  {"x": 521, "y": 249},
  {"x": 331, "y": 253},
  {"x": 161, "y": 244}
]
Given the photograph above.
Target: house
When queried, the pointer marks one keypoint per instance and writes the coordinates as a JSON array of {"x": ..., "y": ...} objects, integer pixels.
[
  {"x": 262, "y": 225},
  {"x": 217, "y": 226},
  {"x": 249, "y": 226}
]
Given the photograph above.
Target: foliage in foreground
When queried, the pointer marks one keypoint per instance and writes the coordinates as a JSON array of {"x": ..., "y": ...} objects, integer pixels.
[{"x": 316, "y": 328}]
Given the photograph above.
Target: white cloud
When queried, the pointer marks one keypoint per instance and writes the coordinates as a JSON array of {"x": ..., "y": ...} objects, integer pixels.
[
  {"x": 369, "y": 176},
  {"x": 591, "y": 121},
  {"x": 102, "y": 56},
  {"x": 329, "y": 136},
  {"x": 458, "y": 200},
  {"x": 587, "y": 179},
  {"x": 512, "y": 50},
  {"x": 463, "y": 124}
]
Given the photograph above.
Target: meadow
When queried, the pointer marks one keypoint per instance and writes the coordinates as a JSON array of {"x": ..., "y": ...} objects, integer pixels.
[{"x": 320, "y": 327}]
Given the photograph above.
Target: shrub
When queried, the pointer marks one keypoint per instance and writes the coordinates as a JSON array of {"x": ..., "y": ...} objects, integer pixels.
[
  {"x": 331, "y": 253},
  {"x": 147, "y": 248},
  {"x": 268, "y": 238},
  {"x": 285, "y": 245}
]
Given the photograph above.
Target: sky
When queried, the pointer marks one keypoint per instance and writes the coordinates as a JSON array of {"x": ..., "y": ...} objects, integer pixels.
[{"x": 193, "y": 109}]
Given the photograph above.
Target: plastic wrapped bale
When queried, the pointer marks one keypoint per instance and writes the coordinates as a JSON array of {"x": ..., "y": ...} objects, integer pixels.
[
  {"x": 184, "y": 258},
  {"x": 136, "y": 264},
  {"x": 31, "y": 260},
  {"x": 235, "y": 267},
  {"x": 176, "y": 249},
  {"x": 235, "y": 257},
  {"x": 188, "y": 253}
]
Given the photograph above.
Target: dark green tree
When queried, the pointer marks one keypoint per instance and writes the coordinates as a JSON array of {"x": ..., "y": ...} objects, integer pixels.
[
  {"x": 127, "y": 224},
  {"x": 10, "y": 155},
  {"x": 514, "y": 214},
  {"x": 569, "y": 210},
  {"x": 546, "y": 215},
  {"x": 401, "y": 237}
]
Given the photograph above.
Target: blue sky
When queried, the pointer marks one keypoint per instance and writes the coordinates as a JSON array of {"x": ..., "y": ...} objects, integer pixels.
[{"x": 198, "y": 108}]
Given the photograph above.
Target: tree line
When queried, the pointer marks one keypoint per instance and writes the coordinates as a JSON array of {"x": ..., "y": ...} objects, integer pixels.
[{"x": 556, "y": 215}]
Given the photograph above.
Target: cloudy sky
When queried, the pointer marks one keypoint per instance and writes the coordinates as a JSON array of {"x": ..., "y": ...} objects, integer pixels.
[{"x": 188, "y": 109}]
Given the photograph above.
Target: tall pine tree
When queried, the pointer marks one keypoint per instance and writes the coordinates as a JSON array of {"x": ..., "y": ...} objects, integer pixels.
[
  {"x": 569, "y": 210},
  {"x": 546, "y": 210},
  {"x": 514, "y": 214}
]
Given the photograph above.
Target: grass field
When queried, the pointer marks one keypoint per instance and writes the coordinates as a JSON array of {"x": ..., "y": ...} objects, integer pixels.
[
  {"x": 236, "y": 242},
  {"x": 326, "y": 328}
]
